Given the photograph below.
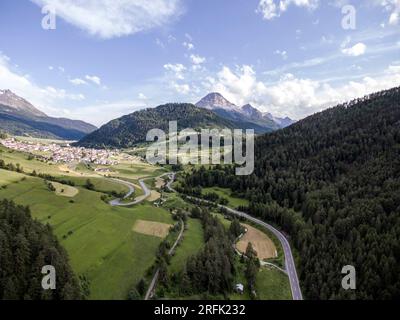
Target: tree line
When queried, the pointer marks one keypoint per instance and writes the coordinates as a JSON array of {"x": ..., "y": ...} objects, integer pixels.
[
  {"x": 26, "y": 246},
  {"x": 331, "y": 182}
]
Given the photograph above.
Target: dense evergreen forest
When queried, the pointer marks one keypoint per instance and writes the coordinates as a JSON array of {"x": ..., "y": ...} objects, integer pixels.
[
  {"x": 211, "y": 272},
  {"x": 332, "y": 183},
  {"x": 25, "y": 247},
  {"x": 132, "y": 129}
]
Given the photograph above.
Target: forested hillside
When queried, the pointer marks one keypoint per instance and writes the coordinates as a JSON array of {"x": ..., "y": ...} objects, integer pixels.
[
  {"x": 133, "y": 128},
  {"x": 332, "y": 183},
  {"x": 25, "y": 247},
  {"x": 19, "y": 117}
]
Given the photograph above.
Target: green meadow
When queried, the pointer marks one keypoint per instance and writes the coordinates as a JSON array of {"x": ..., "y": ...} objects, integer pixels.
[
  {"x": 98, "y": 238},
  {"x": 192, "y": 242},
  {"x": 226, "y": 193}
]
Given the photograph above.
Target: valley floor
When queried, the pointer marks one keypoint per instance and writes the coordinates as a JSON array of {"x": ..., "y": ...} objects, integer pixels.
[{"x": 101, "y": 240}]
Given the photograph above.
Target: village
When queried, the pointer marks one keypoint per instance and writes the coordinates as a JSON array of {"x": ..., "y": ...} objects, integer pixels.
[{"x": 63, "y": 153}]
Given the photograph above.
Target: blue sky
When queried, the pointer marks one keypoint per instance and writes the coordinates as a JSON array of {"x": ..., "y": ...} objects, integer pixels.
[{"x": 107, "y": 58}]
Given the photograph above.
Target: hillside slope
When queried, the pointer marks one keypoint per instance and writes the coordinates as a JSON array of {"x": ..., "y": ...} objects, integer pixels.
[
  {"x": 19, "y": 117},
  {"x": 131, "y": 129},
  {"x": 332, "y": 183}
]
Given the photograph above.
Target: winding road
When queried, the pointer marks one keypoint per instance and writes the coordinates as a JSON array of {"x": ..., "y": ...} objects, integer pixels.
[
  {"x": 290, "y": 267},
  {"x": 131, "y": 186},
  {"x": 289, "y": 261}
]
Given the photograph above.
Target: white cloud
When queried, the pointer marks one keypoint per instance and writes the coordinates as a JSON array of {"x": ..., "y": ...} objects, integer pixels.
[
  {"x": 77, "y": 81},
  {"x": 357, "y": 50},
  {"x": 271, "y": 9},
  {"x": 102, "y": 112},
  {"x": 236, "y": 85},
  {"x": 115, "y": 18},
  {"x": 94, "y": 79},
  {"x": 283, "y": 54},
  {"x": 196, "y": 59},
  {"x": 44, "y": 98},
  {"x": 182, "y": 88},
  {"x": 142, "y": 96},
  {"x": 188, "y": 45},
  {"x": 394, "y": 18},
  {"x": 177, "y": 69},
  {"x": 392, "y": 6},
  {"x": 296, "y": 97}
]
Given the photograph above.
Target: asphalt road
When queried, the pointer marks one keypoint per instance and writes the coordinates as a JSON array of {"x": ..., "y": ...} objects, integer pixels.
[
  {"x": 289, "y": 261},
  {"x": 131, "y": 186},
  {"x": 119, "y": 203},
  {"x": 153, "y": 282}
]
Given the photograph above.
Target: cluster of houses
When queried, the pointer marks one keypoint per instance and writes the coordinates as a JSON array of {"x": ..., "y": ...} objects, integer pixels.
[{"x": 63, "y": 153}]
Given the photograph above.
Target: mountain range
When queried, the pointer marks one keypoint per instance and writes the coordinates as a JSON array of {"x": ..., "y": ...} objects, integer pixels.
[
  {"x": 262, "y": 122},
  {"x": 132, "y": 129},
  {"x": 213, "y": 111},
  {"x": 20, "y": 117}
]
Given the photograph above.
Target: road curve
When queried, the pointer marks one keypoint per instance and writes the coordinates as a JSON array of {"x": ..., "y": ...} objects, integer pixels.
[
  {"x": 131, "y": 186},
  {"x": 289, "y": 261}
]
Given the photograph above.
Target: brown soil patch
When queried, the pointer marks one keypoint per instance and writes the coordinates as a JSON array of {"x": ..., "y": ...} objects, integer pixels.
[
  {"x": 154, "y": 196},
  {"x": 150, "y": 228},
  {"x": 159, "y": 183},
  {"x": 261, "y": 243}
]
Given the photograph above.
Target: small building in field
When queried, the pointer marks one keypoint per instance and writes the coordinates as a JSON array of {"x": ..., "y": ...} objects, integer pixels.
[{"x": 240, "y": 288}]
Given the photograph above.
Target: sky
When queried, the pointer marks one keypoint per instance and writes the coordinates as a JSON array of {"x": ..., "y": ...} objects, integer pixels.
[{"x": 107, "y": 58}]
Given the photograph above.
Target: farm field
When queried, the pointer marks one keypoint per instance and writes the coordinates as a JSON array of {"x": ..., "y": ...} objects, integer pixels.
[
  {"x": 151, "y": 228},
  {"x": 272, "y": 284},
  {"x": 192, "y": 242},
  {"x": 99, "y": 238},
  {"x": 262, "y": 244},
  {"x": 226, "y": 193},
  {"x": 113, "y": 247}
]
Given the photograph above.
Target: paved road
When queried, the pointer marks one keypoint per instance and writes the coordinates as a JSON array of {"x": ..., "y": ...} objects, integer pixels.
[
  {"x": 131, "y": 186},
  {"x": 289, "y": 261},
  {"x": 119, "y": 203},
  {"x": 153, "y": 282}
]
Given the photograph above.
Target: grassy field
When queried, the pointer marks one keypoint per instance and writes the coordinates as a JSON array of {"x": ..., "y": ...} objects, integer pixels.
[
  {"x": 98, "y": 238},
  {"x": 192, "y": 242},
  {"x": 272, "y": 284},
  {"x": 173, "y": 201},
  {"x": 226, "y": 193},
  {"x": 7, "y": 177},
  {"x": 101, "y": 184},
  {"x": 64, "y": 190},
  {"x": 136, "y": 171}
]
